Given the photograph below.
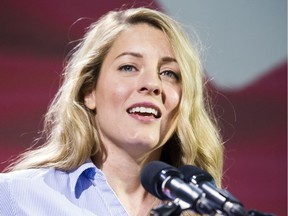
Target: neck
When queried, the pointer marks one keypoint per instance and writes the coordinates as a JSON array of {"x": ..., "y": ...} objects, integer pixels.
[{"x": 123, "y": 175}]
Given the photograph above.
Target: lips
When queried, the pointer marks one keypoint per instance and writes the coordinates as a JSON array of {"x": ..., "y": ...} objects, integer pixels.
[{"x": 145, "y": 110}]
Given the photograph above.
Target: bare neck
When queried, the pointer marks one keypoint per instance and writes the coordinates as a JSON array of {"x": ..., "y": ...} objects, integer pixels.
[{"x": 123, "y": 174}]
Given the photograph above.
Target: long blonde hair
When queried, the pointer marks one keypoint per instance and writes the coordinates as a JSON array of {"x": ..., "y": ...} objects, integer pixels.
[{"x": 70, "y": 132}]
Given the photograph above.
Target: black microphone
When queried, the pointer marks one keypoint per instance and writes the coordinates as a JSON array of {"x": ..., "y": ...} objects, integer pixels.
[
  {"x": 167, "y": 183},
  {"x": 222, "y": 199}
]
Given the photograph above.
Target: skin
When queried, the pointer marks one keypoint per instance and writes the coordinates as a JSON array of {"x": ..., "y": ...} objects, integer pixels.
[{"x": 139, "y": 71}]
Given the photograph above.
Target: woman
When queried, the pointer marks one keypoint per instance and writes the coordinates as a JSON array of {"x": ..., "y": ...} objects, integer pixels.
[{"x": 132, "y": 93}]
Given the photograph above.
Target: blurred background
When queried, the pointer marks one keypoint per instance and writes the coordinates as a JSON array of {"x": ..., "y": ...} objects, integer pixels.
[{"x": 244, "y": 52}]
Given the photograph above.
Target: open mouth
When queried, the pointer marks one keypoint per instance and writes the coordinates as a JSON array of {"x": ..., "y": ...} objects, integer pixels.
[{"x": 145, "y": 111}]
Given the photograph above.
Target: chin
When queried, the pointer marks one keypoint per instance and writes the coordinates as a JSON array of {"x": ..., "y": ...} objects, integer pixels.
[{"x": 142, "y": 146}]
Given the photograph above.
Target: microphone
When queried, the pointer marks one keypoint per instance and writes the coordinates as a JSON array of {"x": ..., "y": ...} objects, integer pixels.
[
  {"x": 222, "y": 199},
  {"x": 167, "y": 183}
]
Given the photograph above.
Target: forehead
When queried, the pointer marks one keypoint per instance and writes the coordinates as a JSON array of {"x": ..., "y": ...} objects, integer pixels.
[{"x": 143, "y": 36}]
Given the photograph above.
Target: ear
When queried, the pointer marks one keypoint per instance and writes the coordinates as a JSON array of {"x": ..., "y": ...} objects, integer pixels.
[{"x": 90, "y": 100}]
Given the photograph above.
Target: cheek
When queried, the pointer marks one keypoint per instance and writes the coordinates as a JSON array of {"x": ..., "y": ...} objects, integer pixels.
[
  {"x": 118, "y": 95},
  {"x": 173, "y": 96},
  {"x": 110, "y": 95},
  {"x": 119, "y": 92}
]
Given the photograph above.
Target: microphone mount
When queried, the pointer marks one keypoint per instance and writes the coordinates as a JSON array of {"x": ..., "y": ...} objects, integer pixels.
[{"x": 174, "y": 209}]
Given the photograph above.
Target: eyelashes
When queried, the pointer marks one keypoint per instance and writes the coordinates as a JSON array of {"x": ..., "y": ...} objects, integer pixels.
[
  {"x": 170, "y": 74},
  {"x": 165, "y": 74},
  {"x": 128, "y": 68}
]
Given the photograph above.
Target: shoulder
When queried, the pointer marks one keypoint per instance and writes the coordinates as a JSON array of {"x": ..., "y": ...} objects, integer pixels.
[
  {"x": 22, "y": 180},
  {"x": 16, "y": 184},
  {"x": 22, "y": 175},
  {"x": 38, "y": 191},
  {"x": 33, "y": 179}
]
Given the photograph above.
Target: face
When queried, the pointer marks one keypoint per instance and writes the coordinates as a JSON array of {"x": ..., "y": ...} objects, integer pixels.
[{"x": 138, "y": 90}]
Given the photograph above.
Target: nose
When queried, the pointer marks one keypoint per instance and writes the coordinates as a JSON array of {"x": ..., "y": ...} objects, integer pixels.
[{"x": 150, "y": 83}]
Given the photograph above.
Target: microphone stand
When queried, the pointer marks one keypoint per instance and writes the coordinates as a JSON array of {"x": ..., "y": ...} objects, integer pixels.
[
  {"x": 173, "y": 209},
  {"x": 169, "y": 209},
  {"x": 258, "y": 213}
]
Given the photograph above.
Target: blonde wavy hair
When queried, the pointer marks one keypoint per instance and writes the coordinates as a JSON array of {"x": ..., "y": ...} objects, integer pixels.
[{"x": 70, "y": 129}]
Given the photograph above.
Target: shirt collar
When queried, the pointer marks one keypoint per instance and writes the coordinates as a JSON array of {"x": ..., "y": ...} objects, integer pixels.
[{"x": 88, "y": 169}]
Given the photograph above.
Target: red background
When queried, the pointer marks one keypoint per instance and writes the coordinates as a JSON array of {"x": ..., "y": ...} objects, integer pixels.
[{"x": 34, "y": 40}]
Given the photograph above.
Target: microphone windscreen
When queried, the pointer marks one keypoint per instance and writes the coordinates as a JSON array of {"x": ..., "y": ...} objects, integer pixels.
[{"x": 150, "y": 176}]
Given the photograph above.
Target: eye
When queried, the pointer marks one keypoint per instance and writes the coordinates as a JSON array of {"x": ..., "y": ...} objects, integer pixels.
[
  {"x": 170, "y": 75},
  {"x": 127, "y": 68}
]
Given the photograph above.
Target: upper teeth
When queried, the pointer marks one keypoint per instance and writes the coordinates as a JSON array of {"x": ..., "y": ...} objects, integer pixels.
[{"x": 143, "y": 110}]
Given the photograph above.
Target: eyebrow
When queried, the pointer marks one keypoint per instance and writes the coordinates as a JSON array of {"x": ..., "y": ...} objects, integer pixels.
[
  {"x": 165, "y": 59},
  {"x": 168, "y": 59},
  {"x": 137, "y": 55}
]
